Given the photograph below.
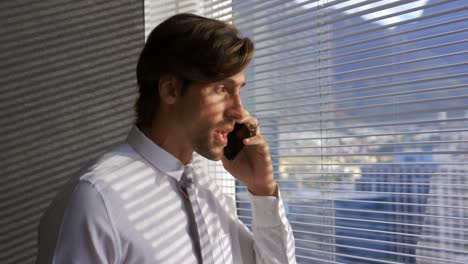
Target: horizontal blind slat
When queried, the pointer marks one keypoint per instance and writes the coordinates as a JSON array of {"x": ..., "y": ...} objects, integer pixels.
[
  {"x": 420, "y": 132},
  {"x": 408, "y": 113},
  {"x": 293, "y": 205},
  {"x": 383, "y": 96},
  {"x": 373, "y": 125},
  {"x": 398, "y": 143}
]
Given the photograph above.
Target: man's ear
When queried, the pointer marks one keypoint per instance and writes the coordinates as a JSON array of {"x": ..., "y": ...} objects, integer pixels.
[{"x": 170, "y": 88}]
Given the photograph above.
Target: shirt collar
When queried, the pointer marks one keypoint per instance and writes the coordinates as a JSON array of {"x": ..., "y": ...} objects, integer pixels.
[{"x": 154, "y": 154}]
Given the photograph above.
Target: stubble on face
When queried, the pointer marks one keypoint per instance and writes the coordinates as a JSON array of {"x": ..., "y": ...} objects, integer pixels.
[
  {"x": 207, "y": 115},
  {"x": 205, "y": 145}
]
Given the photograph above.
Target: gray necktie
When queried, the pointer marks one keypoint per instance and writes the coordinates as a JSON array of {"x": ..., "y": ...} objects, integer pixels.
[{"x": 186, "y": 182}]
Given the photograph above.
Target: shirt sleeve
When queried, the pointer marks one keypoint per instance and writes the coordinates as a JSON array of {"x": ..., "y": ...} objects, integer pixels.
[
  {"x": 86, "y": 233},
  {"x": 273, "y": 240}
]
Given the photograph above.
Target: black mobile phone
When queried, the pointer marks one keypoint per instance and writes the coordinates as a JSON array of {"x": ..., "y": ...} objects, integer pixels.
[{"x": 235, "y": 137}]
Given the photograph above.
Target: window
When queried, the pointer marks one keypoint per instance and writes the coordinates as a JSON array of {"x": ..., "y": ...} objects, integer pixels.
[{"x": 365, "y": 107}]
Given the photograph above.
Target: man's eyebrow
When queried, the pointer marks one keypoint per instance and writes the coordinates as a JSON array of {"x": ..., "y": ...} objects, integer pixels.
[{"x": 232, "y": 82}]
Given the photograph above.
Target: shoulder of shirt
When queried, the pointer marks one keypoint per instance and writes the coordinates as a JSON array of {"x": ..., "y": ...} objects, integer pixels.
[{"x": 114, "y": 165}]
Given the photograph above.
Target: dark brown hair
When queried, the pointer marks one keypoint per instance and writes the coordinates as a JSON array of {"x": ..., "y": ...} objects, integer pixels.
[{"x": 192, "y": 48}]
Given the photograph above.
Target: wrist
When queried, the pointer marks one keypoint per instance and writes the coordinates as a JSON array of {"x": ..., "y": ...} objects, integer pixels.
[{"x": 270, "y": 189}]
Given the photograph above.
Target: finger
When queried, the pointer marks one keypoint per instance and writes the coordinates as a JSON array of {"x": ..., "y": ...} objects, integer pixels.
[
  {"x": 255, "y": 140},
  {"x": 251, "y": 123},
  {"x": 248, "y": 120},
  {"x": 259, "y": 144}
]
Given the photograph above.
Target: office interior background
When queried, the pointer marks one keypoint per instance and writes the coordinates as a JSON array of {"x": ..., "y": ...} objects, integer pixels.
[{"x": 364, "y": 104}]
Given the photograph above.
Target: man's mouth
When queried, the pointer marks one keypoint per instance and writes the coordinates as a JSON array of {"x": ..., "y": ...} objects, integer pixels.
[{"x": 221, "y": 135}]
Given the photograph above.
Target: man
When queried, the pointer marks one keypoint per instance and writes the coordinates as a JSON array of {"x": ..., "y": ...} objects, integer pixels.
[{"x": 145, "y": 201}]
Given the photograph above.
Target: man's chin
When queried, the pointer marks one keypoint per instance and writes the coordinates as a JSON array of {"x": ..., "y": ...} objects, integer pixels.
[{"x": 212, "y": 155}]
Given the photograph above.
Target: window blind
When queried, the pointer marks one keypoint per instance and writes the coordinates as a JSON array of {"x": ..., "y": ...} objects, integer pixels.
[{"x": 365, "y": 107}]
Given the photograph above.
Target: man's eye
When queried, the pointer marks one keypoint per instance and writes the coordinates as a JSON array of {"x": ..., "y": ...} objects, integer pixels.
[{"x": 220, "y": 89}]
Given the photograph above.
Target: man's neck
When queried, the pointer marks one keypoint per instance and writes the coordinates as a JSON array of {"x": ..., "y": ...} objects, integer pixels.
[{"x": 168, "y": 138}]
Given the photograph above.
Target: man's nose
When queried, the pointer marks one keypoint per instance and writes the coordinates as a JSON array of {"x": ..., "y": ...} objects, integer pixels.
[{"x": 235, "y": 109}]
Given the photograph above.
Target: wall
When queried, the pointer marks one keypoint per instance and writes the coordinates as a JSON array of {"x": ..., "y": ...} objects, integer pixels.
[{"x": 67, "y": 89}]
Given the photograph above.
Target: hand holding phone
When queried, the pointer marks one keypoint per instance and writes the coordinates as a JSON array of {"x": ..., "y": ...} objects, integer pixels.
[{"x": 254, "y": 167}]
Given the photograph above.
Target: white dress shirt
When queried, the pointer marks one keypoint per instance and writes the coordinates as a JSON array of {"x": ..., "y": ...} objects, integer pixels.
[{"x": 127, "y": 208}]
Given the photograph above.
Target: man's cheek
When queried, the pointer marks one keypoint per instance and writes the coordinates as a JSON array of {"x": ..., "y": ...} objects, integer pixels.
[{"x": 213, "y": 114}]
